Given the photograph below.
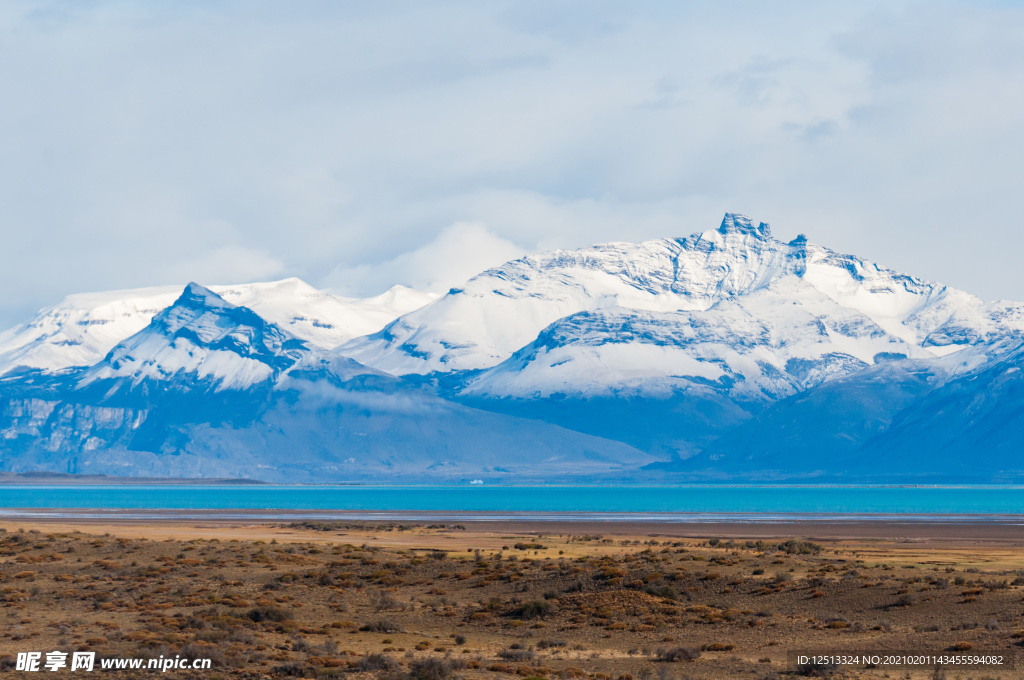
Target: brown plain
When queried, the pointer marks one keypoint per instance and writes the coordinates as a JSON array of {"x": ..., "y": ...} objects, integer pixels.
[{"x": 512, "y": 600}]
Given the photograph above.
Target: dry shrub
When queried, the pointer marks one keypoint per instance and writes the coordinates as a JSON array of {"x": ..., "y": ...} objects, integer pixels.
[
  {"x": 717, "y": 647},
  {"x": 533, "y": 610},
  {"x": 675, "y": 654},
  {"x": 381, "y": 626},
  {"x": 547, "y": 644},
  {"x": 376, "y": 662},
  {"x": 516, "y": 655},
  {"x": 272, "y": 614},
  {"x": 430, "y": 669}
]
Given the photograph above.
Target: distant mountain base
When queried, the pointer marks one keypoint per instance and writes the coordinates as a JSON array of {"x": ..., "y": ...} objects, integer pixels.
[{"x": 44, "y": 478}]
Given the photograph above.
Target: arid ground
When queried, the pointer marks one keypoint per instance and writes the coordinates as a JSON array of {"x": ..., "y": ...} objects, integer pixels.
[{"x": 512, "y": 600}]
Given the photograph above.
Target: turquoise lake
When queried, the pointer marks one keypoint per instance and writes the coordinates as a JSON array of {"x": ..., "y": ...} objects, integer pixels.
[{"x": 558, "y": 499}]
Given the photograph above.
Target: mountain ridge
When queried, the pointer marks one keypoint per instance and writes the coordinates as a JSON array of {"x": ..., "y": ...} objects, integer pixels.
[
  {"x": 727, "y": 354},
  {"x": 509, "y": 306},
  {"x": 82, "y": 328},
  {"x": 212, "y": 389}
]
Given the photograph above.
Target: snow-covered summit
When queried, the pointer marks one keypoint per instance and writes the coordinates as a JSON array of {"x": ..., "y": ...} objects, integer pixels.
[
  {"x": 504, "y": 309},
  {"x": 196, "y": 297},
  {"x": 397, "y": 300},
  {"x": 736, "y": 223},
  {"x": 201, "y": 340}
]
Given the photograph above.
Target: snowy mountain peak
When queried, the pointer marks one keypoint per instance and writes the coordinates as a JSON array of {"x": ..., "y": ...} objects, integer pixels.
[
  {"x": 401, "y": 299},
  {"x": 735, "y": 223},
  {"x": 195, "y": 296},
  {"x": 684, "y": 283},
  {"x": 200, "y": 311},
  {"x": 202, "y": 340}
]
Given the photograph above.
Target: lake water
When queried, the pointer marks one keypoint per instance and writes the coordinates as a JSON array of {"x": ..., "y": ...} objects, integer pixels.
[{"x": 655, "y": 501}]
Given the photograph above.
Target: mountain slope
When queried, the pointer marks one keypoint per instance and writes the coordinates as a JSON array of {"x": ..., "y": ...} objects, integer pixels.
[
  {"x": 80, "y": 329},
  {"x": 687, "y": 377},
  {"x": 971, "y": 426},
  {"x": 821, "y": 432},
  {"x": 761, "y": 346},
  {"x": 949, "y": 420}
]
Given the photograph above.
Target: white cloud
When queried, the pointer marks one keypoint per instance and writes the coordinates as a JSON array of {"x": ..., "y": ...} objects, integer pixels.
[
  {"x": 223, "y": 265},
  {"x": 459, "y": 252}
]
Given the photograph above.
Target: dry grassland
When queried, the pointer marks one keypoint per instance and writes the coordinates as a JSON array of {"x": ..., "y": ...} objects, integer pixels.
[{"x": 408, "y": 602}]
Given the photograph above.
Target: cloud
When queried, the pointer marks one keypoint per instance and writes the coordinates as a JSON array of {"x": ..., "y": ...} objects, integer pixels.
[
  {"x": 226, "y": 264},
  {"x": 142, "y": 141},
  {"x": 459, "y": 252}
]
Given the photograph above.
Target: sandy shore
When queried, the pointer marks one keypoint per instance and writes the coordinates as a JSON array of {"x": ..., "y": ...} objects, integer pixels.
[{"x": 251, "y": 523}]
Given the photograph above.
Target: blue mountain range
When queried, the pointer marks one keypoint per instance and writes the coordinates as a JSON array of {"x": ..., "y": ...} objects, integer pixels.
[{"x": 723, "y": 356}]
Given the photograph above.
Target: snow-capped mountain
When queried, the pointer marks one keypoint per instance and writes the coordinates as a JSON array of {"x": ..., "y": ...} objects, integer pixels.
[
  {"x": 82, "y": 328},
  {"x": 659, "y": 308},
  {"x": 211, "y": 389},
  {"x": 723, "y": 355},
  {"x": 670, "y": 344},
  {"x": 201, "y": 340}
]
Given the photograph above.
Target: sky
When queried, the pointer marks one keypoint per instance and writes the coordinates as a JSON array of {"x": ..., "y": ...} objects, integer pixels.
[{"x": 362, "y": 144}]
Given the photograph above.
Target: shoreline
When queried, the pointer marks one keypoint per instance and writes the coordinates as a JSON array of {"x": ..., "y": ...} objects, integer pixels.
[
  {"x": 9, "y": 480},
  {"x": 987, "y": 527}
]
